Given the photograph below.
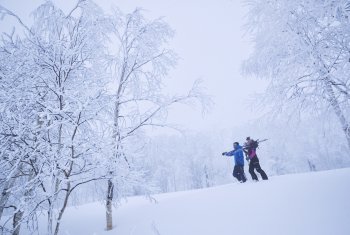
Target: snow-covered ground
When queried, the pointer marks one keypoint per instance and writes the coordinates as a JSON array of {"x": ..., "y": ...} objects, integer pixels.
[{"x": 311, "y": 203}]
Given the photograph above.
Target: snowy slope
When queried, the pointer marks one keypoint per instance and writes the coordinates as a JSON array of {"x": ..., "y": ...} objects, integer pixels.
[{"x": 311, "y": 203}]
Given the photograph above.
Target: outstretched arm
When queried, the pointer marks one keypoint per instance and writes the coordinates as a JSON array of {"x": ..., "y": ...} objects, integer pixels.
[{"x": 228, "y": 153}]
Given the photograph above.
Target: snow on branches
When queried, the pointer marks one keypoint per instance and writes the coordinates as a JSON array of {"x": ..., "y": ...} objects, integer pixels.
[
  {"x": 302, "y": 47},
  {"x": 76, "y": 89}
]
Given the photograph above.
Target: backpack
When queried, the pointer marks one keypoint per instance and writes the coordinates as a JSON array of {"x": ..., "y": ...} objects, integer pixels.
[{"x": 255, "y": 144}]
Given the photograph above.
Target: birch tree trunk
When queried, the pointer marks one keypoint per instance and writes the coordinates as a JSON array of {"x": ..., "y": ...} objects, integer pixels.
[
  {"x": 5, "y": 194},
  {"x": 116, "y": 140},
  {"x": 64, "y": 206},
  {"x": 338, "y": 111},
  {"x": 16, "y": 222},
  {"x": 109, "y": 218}
]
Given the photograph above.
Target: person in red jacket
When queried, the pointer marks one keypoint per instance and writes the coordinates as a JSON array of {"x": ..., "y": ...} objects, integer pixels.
[{"x": 249, "y": 148}]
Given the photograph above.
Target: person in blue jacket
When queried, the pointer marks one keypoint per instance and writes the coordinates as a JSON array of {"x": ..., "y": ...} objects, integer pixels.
[{"x": 238, "y": 170}]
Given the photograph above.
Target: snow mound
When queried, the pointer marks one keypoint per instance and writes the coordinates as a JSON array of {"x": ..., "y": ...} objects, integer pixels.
[{"x": 309, "y": 203}]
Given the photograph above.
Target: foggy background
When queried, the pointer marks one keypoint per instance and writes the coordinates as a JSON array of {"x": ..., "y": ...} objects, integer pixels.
[{"x": 210, "y": 44}]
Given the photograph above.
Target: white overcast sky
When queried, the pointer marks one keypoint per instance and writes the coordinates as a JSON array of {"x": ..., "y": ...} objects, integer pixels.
[{"x": 209, "y": 40}]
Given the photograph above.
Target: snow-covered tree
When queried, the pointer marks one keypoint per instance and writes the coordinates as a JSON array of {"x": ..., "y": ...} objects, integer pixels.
[
  {"x": 139, "y": 63},
  {"x": 73, "y": 113},
  {"x": 53, "y": 90},
  {"x": 302, "y": 47}
]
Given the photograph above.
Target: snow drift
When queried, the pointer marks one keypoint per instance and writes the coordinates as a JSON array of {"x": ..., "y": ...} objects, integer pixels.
[{"x": 309, "y": 203}]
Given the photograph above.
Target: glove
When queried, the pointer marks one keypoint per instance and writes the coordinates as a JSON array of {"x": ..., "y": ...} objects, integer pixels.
[
  {"x": 247, "y": 158},
  {"x": 224, "y": 153}
]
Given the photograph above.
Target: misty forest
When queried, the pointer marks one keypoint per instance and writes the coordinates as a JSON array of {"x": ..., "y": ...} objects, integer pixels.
[{"x": 81, "y": 91}]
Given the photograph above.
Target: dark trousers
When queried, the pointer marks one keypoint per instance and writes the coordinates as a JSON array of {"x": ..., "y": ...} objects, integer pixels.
[
  {"x": 254, "y": 164},
  {"x": 238, "y": 173}
]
